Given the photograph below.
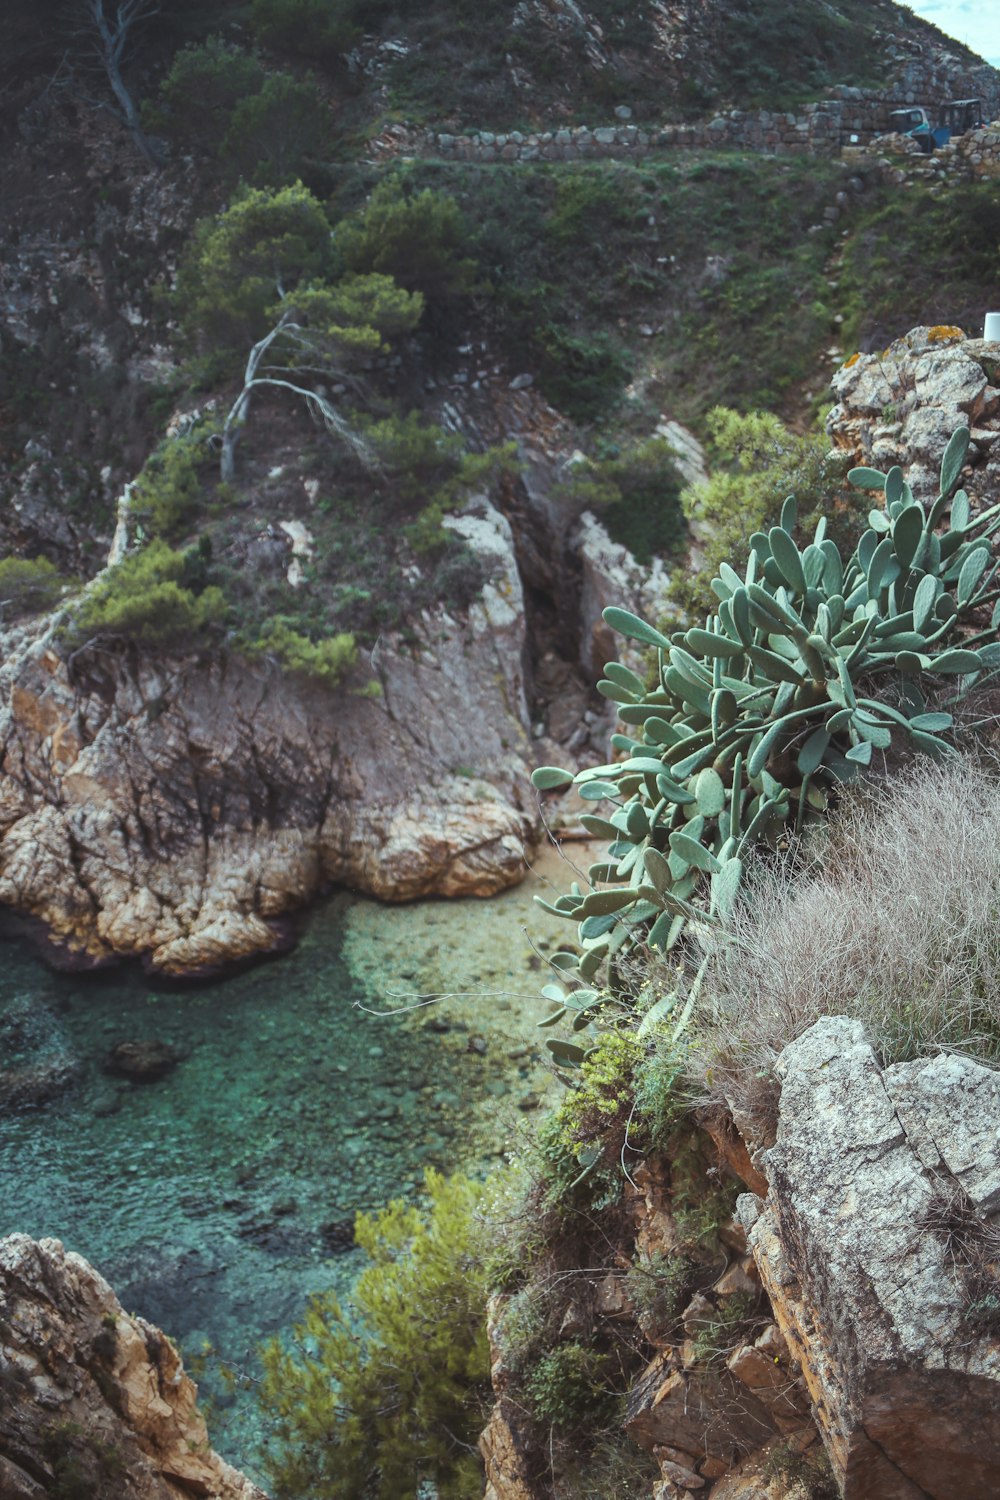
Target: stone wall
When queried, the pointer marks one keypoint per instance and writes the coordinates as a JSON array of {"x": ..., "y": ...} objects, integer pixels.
[{"x": 845, "y": 116}]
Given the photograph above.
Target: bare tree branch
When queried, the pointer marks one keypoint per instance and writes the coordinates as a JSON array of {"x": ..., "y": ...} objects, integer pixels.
[
  {"x": 113, "y": 33},
  {"x": 255, "y": 376}
]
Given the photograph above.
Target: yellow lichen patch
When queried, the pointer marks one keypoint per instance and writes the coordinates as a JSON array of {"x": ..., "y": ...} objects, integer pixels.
[
  {"x": 943, "y": 333},
  {"x": 849, "y": 362}
]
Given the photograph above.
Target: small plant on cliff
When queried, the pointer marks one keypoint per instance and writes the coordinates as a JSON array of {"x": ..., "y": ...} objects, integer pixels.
[
  {"x": 371, "y": 1401},
  {"x": 147, "y": 597},
  {"x": 170, "y": 488},
  {"x": 808, "y": 670},
  {"x": 566, "y": 1388},
  {"x": 326, "y": 659},
  {"x": 919, "y": 966},
  {"x": 29, "y": 585}
]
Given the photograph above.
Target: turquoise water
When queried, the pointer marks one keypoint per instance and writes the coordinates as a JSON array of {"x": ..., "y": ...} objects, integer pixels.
[{"x": 216, "y": 1199}]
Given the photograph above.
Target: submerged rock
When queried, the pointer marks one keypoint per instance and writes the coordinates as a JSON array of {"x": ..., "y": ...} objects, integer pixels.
[
  {"x": 93, "y": 1393},
  {"x": 143, "y": 1061},
  {"x": 36, "y": 1064}
]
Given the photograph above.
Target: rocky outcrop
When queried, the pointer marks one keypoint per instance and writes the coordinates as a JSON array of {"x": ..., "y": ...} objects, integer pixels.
[
  {"x": 94, "y": 1401},
  {"x": 877, "y": 1247},
  {"x": 901, "y": 406},
  {"x": 179, "y": 807},
  {"x": 860, "y": 1305}
]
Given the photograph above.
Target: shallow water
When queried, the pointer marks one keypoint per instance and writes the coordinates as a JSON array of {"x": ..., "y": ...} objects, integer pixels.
[{"x": 216, "y": 1199}]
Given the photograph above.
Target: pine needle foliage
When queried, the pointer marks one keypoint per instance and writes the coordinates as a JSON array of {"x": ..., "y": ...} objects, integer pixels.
[{"x": 372, "y": 1400}]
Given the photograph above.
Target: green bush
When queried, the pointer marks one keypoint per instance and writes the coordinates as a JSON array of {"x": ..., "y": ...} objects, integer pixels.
[
  {"x": 604, "y": 1093},
  {"x": 170, "y": 488},
  {"x": 583, "y": 375},
  {"x": 275, "y": 131},
  {"x": 318, "y": 30},
  {"x": 29, "y": 585},
  {"x": 638, "y": 494},
  {"x": 374, "y": 1399},
  {"x": 758, "y": 461},
  {"x": 565, "y": 1388},
  {"x": 203, "y": 86},
  {"x": 327, "y": 660},
  {"x": 145, "y": 597},
  {"x": 237, "y": 264},
  {"x": 419, "y": 238}
]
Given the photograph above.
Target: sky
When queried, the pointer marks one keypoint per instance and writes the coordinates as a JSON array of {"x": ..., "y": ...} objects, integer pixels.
[{"x": 975, "y": 22}]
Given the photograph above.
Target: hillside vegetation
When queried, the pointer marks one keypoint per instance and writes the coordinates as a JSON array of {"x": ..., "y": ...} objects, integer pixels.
[{"x": 235, "y": 227}]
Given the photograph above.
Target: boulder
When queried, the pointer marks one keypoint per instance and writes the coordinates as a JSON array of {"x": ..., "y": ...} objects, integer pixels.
[
  {"x": 94, "y": 1393},
  {"x": 142, "y": 1061},
  {"x": 875, "y": 1245}
]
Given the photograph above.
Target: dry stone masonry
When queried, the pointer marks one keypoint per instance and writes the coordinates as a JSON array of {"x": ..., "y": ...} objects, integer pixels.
[{"x": 844, "y": 117}]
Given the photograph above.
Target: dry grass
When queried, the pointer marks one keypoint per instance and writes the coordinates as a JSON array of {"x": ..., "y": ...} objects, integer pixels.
[{"x": 893, "y": 919}]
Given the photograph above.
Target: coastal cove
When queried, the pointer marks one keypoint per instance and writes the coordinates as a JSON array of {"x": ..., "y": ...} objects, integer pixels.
[{"x": 217, "y": 1198}]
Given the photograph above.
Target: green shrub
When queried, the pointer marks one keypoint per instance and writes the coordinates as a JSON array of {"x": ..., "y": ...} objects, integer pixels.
[
  {"x": 170, "y": 488},
  {"x": 583, "y": 375},
  {"x": 237, "y": 264},
  {"x": 273, "y": 132},
  {"x": 203, "y": 86},
  {"x": 637, "y": 492},
  {"x": 314, "y": 29},
  {"x": 374, "y": 1399},
  {"x": 419, "y": 238},
  {"x": 758, "y": 461},
  {"x": 327, "y": 660},
  {"x": 29, "y": 585},
  {"x": 565, "y": 1388},
  {"x": 603, "y": 1095},
  {"x": 145, "y": 597}
]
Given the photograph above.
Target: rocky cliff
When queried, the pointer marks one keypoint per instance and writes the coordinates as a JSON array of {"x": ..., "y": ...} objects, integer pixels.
[
  {"x": 179, "y": 806},
  {"x": 94, "y": 1402},
  {"x": 847, "y": 1341}
]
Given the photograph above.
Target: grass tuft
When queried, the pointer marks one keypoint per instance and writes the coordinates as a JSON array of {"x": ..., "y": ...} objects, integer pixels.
[{"x": 892, "y": 920}]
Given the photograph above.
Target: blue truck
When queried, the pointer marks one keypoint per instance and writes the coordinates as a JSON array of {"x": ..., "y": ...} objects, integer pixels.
[{"x": 954, "y": 118}]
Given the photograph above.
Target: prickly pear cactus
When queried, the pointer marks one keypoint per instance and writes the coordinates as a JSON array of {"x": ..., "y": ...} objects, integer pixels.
[{"x": 809, "y": 668}]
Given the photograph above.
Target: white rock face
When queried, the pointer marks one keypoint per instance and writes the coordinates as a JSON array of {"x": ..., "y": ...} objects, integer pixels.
[
  {"x": 890, "y": 1327},
  {"x": 901, "y": 407}
]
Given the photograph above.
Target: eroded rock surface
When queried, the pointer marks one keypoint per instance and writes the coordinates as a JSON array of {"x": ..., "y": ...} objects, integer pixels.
[
  {"x": 876, "y": 1249},
  {"x": 901, "y": 406},
  {"x": 179, "y": 807},
  {"x": 92, "y": 1395}
]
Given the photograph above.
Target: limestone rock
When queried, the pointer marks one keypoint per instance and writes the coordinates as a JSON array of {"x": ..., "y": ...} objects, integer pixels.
[
  {"x": 179, "y": 807},
  {"x": 879, "y": 1309},
  {"x": 85, "y": 1383},
  {"x": 901, "y": 407}
]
